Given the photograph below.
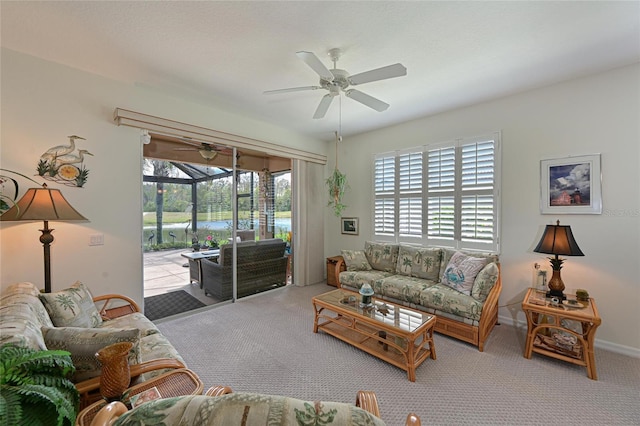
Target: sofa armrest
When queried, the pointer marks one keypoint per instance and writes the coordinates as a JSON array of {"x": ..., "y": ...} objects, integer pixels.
[
  {"x": 136, "y": 370},
  {"x": 108, "y": 414},
  {"x": 337, "y": 269},
  {"x": 489, "y": 316},
  {"x": 128, "y": 307}
]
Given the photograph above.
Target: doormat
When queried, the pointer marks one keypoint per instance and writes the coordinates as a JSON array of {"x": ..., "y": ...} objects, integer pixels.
[{"x": 167, "y": 304}]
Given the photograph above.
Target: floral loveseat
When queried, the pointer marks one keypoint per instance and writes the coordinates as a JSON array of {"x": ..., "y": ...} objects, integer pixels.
[
  {"x": 460, "y": 288},
  {"x": 74, "y": 321},
  {"x": 220, "y": 406}
]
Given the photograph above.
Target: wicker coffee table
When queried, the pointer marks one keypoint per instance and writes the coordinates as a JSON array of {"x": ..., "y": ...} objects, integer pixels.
[
  {"x": 398, "y": 335},
  {"x": 174, "y": 383}
]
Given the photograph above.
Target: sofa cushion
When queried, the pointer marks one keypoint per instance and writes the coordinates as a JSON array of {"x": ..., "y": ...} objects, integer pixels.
[
  {"x": 23, "y": 287},
  {"x": 461, "y": 272},
  {"x": 355, "y": 260},
  {"x": 381, "y": 256},
  {"x": 485, "y": 281},
  {"x": 83, "y": 343},
  {"x": 401, "y": 287},
  {"x": 19, "y": 325},
  {"x": 41, "y": 314},
  {"x": 422, "y": 262},
  {"x": 134, "y": 320},
  {"x": 442, "y": 298},
  {"x": 72, "y": 307},
  {"x": 355, "y": 279},
  {"x": 447, "y": 253},
  {"x": 154, "y": 346}
]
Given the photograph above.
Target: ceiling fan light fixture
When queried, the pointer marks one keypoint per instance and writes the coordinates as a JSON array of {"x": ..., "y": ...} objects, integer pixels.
[{"x": 208, "y": 154}]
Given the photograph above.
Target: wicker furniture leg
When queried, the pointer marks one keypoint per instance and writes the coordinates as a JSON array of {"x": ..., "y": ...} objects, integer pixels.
[
  {"x": 218, "y": 390},
  {"x": 367, "y": 400}
]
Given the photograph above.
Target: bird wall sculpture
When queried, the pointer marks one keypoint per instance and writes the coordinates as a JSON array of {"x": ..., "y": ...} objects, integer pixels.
[{"x": 65, "y": 165}]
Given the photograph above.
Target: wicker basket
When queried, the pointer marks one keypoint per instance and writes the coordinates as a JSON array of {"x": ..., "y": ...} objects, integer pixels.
[{"x": 115, "y": 376}]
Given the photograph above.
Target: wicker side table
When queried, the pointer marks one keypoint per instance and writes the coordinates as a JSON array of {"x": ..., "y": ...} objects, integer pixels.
[{"x": 174, "y": 383}]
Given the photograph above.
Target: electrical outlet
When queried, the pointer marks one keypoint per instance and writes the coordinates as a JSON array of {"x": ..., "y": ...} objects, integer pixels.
[{"x": 96, "y": 239}]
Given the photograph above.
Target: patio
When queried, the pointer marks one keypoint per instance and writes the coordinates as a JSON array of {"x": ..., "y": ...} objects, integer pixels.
[{"x": 164, "y": 272}]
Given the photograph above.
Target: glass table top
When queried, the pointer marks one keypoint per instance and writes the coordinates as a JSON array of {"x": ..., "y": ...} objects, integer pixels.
[{"x": 384, "y": 312}]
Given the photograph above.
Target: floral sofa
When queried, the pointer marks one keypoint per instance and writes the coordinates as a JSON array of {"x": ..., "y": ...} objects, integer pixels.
[
  {"x": 220, "y": 406},
  {"x": 460, "y": 288},
  {"x": 74, "y": 321}
]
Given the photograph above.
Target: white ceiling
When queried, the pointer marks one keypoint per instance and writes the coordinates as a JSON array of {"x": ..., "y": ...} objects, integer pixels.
[{"x": 228, "y": 53}]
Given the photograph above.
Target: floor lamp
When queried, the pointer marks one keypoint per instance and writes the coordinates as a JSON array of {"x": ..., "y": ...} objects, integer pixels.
[{"x": 43, "y": 204}]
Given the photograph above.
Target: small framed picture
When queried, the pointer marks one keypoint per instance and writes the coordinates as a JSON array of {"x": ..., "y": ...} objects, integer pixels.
[
  {"x": 571, "y": 185},
  {"x": 350, "y": 225}
]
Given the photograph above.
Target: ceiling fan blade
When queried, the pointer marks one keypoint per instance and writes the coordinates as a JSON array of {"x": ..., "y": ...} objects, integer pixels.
[
  {"x": 312, "y": 60},
  {"x": 291, "y": 89},
  {"x": 367, "y": 100},
  {"x": 390, "y": 71},
  {"x": 323, "y": 106}
]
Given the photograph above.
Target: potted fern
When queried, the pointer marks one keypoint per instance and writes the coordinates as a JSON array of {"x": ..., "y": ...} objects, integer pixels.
[{"x": 35, "y": 388}]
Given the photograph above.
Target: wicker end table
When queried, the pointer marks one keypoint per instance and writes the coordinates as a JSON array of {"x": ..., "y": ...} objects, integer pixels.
[{"x": 174, "y": 383}]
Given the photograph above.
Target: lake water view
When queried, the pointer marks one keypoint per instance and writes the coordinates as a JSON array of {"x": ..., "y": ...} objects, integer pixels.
[{"x": 281, "y": 225}]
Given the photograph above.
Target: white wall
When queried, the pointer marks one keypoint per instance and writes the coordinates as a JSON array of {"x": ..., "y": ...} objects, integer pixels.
[
  {"x": 43, "y": 103},
  {"x": 596, "y": 114}
]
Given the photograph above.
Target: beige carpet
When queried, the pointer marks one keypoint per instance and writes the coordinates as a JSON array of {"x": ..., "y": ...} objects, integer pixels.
[{"x": 266, "y": 344}]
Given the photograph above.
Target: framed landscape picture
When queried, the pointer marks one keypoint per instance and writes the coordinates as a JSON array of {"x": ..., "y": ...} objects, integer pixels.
[
  {"x": 350, "y": 225},
  {"x": 571, "y": 185}
]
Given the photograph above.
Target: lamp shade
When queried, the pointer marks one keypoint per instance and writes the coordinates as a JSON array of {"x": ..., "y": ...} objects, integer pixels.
[
  {"x": 42, "y": 204},
  {"x": 558, "y": 239}
]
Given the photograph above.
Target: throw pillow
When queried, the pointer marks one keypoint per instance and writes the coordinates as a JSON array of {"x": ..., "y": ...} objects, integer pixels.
[
  {"x": 484, "y": 282},
  {"x": 381, "y": 256},
  {"x": 421, "y": 262},
  {"x": 461, "y": 272},
  {"x": 83, "y": 343},
  {"x": 72, "y": 307},
  {"x": 355, "y": 260}
]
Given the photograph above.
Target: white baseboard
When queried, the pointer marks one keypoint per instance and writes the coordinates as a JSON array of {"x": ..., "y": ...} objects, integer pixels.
[{"x": 602, "y": 344}]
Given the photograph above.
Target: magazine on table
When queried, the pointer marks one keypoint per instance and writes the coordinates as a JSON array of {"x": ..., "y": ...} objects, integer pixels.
[{"x": 146, "y": 396}]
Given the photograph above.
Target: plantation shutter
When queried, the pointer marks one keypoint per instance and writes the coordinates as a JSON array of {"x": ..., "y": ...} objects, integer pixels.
[
  {"x": 410, "y": 194},
  {"x": 477, "y": 199},
  {"x": 441, "y": 184},
  {"x": 384, "y": 194}
]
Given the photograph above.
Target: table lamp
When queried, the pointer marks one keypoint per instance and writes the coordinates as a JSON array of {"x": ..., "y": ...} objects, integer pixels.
[
  {"x": 43, "y": 204},
  {"x": 557, "y": 240}
]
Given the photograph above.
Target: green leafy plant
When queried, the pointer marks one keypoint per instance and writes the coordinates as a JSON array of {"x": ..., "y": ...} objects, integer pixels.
[
  {"x": 81, "y": 179},
  {"x": 337, "y": 185},
  {"x": 582, "y": 294},
  {"x": 35, "y": 389}
]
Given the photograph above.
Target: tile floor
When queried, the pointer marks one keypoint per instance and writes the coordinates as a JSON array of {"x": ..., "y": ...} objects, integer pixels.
[{"x": 164, "y": 272}]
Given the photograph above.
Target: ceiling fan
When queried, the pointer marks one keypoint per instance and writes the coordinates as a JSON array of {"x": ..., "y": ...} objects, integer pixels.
[
  {"x": 207, "y": 151},
  {"x": 336, "y": 80}
]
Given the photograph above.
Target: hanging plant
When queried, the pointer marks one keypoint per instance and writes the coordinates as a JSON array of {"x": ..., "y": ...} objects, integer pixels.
[{"x": 337, "y": 185}]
